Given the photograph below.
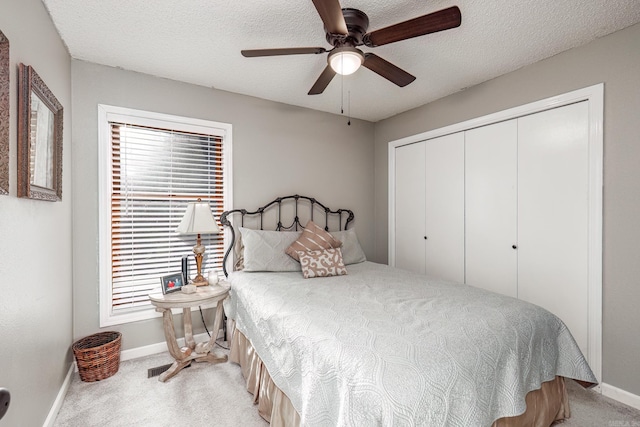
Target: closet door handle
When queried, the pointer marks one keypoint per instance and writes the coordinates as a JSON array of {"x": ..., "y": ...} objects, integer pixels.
[
  {"x": 514, "y": 246},
  {"x": 425, "y": 237}
]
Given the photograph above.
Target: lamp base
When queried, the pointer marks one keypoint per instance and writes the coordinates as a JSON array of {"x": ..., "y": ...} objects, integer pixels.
[
  {"x": 198, "y": 250},
  {"x": 199, "y": 280}
]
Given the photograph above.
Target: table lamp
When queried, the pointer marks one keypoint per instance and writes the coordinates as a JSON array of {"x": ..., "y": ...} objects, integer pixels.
[{"x": 198, "y": 219}]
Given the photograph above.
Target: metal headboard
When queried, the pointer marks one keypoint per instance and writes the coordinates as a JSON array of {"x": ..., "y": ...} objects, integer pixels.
[{"x": 310, "y": 204}]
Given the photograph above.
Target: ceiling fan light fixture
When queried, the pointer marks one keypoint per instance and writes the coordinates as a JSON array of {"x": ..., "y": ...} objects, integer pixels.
[{"x": 345, "y": 60}]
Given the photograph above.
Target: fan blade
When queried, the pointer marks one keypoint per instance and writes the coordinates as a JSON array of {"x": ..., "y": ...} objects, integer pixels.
[
  {"x": 284, "y": 51},
  {"x": 387, "y": 70},
  {"x": 323, "y": 81},
  {"x": 426, "y": 24},
  {"x": 331, "y": 14}
]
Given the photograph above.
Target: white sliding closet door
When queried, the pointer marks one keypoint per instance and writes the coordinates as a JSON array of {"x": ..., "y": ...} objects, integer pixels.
[
  {"x": 553, "y": 232},
  {"x": 409, "y": 207},
  {"x": 444, "y": 207},
  {"x": 491, "y": 207}
]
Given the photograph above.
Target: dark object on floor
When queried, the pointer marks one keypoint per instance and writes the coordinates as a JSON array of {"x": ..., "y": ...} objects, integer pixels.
[{"x": 5, "y": 399}]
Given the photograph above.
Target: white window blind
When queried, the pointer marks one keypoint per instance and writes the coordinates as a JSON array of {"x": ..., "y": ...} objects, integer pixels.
[
  {"x": 156, "y": 172},
  {"x": 153, "y": 168}
]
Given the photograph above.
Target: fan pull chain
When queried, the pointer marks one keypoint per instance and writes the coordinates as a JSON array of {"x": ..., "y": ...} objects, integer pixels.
[
  {"x": 342, "y": 100},
  {"x": 341, "y": 94},
  {"x": 349, "y": 108}
]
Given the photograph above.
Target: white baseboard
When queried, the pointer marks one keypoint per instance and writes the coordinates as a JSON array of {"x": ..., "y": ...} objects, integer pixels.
[
  {"x": 146, "y": 350},
  {"x": 57, "y": 404},
  {"x": 156, "y": 348},
  {"x": 621, "y": 396}
]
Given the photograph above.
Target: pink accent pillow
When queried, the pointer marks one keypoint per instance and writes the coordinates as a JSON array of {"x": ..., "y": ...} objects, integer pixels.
[{"x": 313, "y": 238}]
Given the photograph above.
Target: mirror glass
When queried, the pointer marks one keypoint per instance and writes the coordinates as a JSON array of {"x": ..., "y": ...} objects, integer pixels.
[{"x": 41, "y": 133}]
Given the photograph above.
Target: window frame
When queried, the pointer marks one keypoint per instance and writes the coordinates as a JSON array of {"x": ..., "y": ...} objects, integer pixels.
[{"x": 110, "y": 113}]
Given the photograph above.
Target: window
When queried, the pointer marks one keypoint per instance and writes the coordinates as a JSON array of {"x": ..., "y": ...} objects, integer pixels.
[{"x": 151, "y": 166}]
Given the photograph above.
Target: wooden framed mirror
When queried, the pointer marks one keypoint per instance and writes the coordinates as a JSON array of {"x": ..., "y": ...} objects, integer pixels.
[
  {"x": 4, "y": 114},
  {"x": 39, "y": 138}
]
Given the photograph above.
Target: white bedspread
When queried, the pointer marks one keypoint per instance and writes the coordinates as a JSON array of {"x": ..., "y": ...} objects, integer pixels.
[{"x": 385, "y": 347}]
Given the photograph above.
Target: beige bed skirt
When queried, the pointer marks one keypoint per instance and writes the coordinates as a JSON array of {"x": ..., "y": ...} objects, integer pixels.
[{"x": 546, "y": 405}]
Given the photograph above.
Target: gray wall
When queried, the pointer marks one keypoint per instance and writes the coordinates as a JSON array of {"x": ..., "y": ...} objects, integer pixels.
[
  {"x": 278, "y": 150},
  {"x": 35, "y": 254},
  {"x": 614, "y": 60},
  {"x": 271, "y": 140}
]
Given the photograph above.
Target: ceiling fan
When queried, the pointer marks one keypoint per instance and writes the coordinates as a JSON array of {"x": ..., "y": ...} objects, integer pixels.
[{"x": 347, "y": 28}]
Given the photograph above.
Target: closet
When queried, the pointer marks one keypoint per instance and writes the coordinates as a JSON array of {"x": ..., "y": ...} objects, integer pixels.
[
  {"x": 429, "y": 207},
  {"x": 503, "y": 206},
  {"x": 526, "y": 211}
]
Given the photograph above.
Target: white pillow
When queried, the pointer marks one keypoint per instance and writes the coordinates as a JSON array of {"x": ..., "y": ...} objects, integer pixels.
[
  {"x": 265, "y": 250},
  {"x": 352, "y": 252}
]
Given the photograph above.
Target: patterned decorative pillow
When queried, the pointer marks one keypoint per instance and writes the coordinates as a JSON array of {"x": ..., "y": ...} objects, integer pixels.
[
  {"x": 322, "y": 263},
  {"x": 313, "y": 238}
]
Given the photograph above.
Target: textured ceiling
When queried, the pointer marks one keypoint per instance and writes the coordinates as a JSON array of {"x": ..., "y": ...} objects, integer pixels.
[{"x": 199, "y": 42}]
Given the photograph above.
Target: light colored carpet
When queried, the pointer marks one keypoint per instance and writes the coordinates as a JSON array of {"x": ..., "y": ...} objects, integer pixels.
[
  {"x": 215, "y": 395},
  {"x": 591, "y": 409},
  {"x": 200, "y": 395}
]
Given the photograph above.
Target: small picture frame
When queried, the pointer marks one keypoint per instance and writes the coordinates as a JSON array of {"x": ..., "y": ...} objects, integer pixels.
[{"x": 172, "y": 282}]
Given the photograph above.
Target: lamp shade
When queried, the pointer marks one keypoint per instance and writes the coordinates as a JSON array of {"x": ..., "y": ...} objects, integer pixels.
[{"x": 198, "y": 219}]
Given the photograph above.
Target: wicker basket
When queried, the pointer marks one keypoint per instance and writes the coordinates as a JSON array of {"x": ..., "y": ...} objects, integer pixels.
[{"x": 98, "y": 355}]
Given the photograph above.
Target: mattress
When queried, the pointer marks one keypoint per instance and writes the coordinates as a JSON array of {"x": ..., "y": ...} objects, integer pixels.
[{"x": 381, "y": 346}]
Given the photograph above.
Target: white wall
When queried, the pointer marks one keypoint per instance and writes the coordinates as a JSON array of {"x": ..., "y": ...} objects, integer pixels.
[
  {"x": 35, "y": 253},
  {"x": 278, "y": 150},
  {"x": 614, "y": 60}
]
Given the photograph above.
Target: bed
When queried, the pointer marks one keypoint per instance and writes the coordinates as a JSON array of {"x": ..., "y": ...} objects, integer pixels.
[{"x": 382, "y": 346}]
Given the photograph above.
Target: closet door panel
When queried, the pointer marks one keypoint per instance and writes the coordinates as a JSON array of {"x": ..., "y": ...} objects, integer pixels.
[
  {"x": 444, "y": 207},
  {"x": 491, "y": 207},
  {"x": 410, "y": 207},
  {"x": 553, "y": 214}
]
